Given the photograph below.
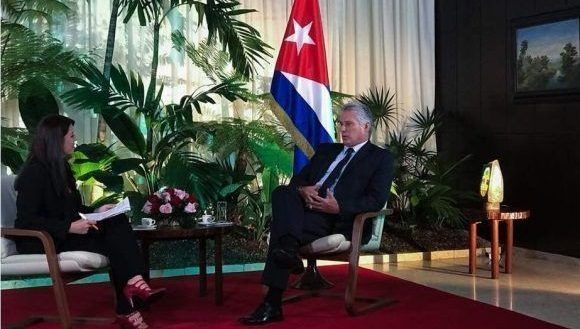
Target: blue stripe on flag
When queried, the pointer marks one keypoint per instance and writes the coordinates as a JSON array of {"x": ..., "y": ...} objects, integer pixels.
[
  {"x": 302, "y": 115},
  {"x": 300, "y": 160}
]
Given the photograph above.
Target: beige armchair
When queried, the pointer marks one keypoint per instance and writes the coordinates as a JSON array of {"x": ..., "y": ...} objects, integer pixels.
[
  {"x": 63, "y": 268},
  {"x": 336, "y": 247}
]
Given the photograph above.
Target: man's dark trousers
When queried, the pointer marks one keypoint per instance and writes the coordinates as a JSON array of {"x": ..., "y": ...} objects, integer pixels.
[{"x": 291, "y": 218}]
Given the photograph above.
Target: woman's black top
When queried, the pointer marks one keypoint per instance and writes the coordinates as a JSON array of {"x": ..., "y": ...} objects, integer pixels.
[{"x": 40, "y": 207}]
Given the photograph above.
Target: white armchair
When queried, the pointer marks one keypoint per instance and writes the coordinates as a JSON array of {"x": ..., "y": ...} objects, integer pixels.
[{"x": 63, "y": 268}]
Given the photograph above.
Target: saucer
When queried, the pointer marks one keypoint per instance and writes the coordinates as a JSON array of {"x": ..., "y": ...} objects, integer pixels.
[
  {"x": 223, "y": 224},
  {"x": 216, "y": 224},
  {"x": 144, "y": 227}
]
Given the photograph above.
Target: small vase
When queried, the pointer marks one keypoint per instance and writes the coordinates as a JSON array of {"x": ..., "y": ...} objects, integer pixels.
[
  {"x": 164, "y": 221},
  {"x": 186, "y": 221}
]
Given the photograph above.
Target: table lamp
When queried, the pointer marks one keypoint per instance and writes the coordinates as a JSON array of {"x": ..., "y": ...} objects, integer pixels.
[{"x": 492, "y": 185}]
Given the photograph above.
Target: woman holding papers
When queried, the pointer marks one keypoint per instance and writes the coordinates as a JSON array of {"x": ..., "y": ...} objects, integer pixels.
[{"x": 48, "y": 200}]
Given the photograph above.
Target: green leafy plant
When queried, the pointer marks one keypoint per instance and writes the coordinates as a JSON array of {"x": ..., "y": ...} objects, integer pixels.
[
  {"x": 382, "y": 105},
  {"x": 34, "y": 67},
  {"x": 256, "y": 207},
  {"x": 254, "y": 156},
  {"x": 423, "y": 181},
  {"x": 28, "y": 55},
  {"x": 165, "y": 142},
  {"x": 422, "y": 191},
  {"x": 15, "y": 143},
  {"x": 34, "y": 102},
  {"x": 162, "y": 137}
]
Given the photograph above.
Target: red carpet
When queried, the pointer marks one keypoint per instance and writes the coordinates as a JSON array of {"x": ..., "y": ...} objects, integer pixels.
[{"x": 416, "y": 307}]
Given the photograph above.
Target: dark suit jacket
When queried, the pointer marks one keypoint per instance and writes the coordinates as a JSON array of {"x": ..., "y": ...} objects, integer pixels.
[
  {"x": 38, "y": 207},
  {"x": 363, "y": 186}
]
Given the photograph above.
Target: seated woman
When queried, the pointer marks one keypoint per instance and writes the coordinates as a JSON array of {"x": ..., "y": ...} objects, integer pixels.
[{"x": 48, "y": 200}]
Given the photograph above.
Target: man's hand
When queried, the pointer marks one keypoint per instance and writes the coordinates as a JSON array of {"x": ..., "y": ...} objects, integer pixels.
[
  {"x": 105, "y": 207},
  {"x": 82, "y": 226},
  {"x": 328, "y": 205},
  {"x": 308, "y": 193}
]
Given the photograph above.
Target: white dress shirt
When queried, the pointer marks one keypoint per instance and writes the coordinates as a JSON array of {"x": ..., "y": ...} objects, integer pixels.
[{"x": 339, "y": 158}]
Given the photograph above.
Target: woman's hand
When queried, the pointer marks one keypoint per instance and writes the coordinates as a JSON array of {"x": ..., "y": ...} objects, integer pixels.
[
  {"x": 105, "y": 207},
  {"x": 82, "y": 226}
]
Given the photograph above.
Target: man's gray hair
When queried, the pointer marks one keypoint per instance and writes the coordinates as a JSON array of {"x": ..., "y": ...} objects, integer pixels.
[{"x": 363, "y": 114}]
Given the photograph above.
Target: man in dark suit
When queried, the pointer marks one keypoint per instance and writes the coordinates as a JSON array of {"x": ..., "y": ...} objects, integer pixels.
[{"x": 340, "y": 181}]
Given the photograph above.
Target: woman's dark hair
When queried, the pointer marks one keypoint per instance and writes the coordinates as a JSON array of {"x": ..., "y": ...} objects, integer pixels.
[{"x": 47, "y": 148}]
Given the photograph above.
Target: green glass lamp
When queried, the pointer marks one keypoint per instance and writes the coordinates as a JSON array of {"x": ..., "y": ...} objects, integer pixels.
[{"x": 492, "y": 186}]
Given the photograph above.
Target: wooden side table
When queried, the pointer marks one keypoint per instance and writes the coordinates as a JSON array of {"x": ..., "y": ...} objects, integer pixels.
[
  {"x": 200, "y": 233},
  {"x": 505, "y": 214}
]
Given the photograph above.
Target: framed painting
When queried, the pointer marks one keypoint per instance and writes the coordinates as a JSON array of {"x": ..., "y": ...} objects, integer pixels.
[{"x": 544, "y": 57}]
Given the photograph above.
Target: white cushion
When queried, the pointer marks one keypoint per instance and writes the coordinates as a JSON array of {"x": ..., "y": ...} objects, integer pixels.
[
  {"x": 7, "y": 247},
  {"x": 15, "y": 264},
  {"x": 7, "y": 213},
  {"x": 69, "y": 261},
  {"x": 327, "y": 245}
]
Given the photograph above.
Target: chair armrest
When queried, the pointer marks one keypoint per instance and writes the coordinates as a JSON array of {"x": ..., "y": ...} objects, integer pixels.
[
  {"x": 357, "y": 231},
  {"x": 358, "y": 226},
  {"x": 45, "y": 238}
]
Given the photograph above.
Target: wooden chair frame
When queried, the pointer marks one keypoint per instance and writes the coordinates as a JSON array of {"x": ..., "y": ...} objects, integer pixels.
[
  {"x": 59, "y": 279},
  {"x": 314, "y": 283}
]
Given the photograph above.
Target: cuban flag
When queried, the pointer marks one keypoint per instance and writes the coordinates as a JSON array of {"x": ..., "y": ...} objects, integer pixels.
[{"x": 300, "y": 82}]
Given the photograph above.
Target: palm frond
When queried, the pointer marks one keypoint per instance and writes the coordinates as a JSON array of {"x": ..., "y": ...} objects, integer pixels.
[
  {"x": 30, "y": 56},
  {"x": 91, "y": 93},
  {"x": 188, "y": 171},
  {"x": 425, "y": 120},
  {"x": 206, "y": 56},
  {"x": 242, "y": 41},
  {"x": 382, "y": 105},
  {"x": 127, "y": 91},
  {"x": 146, "y": 10},
  {"x": 231, "y": 89},
  {"x": 31, "y": 10}
]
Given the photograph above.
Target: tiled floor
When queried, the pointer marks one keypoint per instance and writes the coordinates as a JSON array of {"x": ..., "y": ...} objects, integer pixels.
[{"x": 547, "y": 289}]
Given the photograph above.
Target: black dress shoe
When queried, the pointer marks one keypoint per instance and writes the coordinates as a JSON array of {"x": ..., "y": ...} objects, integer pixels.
[
  {"x": 288, "y": 259},
  {"x": 265, "y": 313}
]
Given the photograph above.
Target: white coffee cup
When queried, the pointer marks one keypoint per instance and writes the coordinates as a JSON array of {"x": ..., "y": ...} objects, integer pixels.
[
  {"x": 147, "y": 221},
  {"x": 206, "y": 219}
]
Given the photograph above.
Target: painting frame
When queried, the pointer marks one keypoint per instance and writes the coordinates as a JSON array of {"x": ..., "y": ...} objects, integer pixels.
[{"x": 538, "y": 75}]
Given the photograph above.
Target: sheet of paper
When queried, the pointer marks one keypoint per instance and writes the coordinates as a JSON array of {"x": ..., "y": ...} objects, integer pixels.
[{"x": 120, "y": 208}]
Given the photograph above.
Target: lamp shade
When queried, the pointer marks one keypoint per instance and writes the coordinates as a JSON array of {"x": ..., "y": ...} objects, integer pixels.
[{"x": 492, "y": 185}]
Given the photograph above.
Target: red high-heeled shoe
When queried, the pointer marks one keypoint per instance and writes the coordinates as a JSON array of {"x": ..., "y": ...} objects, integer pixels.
[
  {"x": 131, "y": 321},
  {"x": 142, "y": 290}
]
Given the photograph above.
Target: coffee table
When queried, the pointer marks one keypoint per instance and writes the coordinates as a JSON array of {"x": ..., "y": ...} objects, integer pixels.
[{"x": 200, "y": 233}]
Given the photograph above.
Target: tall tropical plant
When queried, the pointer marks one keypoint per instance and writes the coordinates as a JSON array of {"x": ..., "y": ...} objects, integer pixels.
[
  {"x": 241, "y": 41},
  {"x": 131, "y": 107},
  {"x": 116, "y": 7},
  {"x": 161, "y": 136},
  {"x": 123, "y": 108}
]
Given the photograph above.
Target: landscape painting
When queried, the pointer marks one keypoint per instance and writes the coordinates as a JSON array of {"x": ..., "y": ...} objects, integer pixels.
[{"x": 547, "y": 57}]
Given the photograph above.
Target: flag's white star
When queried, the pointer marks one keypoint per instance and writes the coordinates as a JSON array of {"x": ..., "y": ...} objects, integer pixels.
[{"x": 301, "y": 35}]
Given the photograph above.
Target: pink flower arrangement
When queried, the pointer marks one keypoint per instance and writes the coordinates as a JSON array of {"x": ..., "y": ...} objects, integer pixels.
[{"x": 170, "y": 200}]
